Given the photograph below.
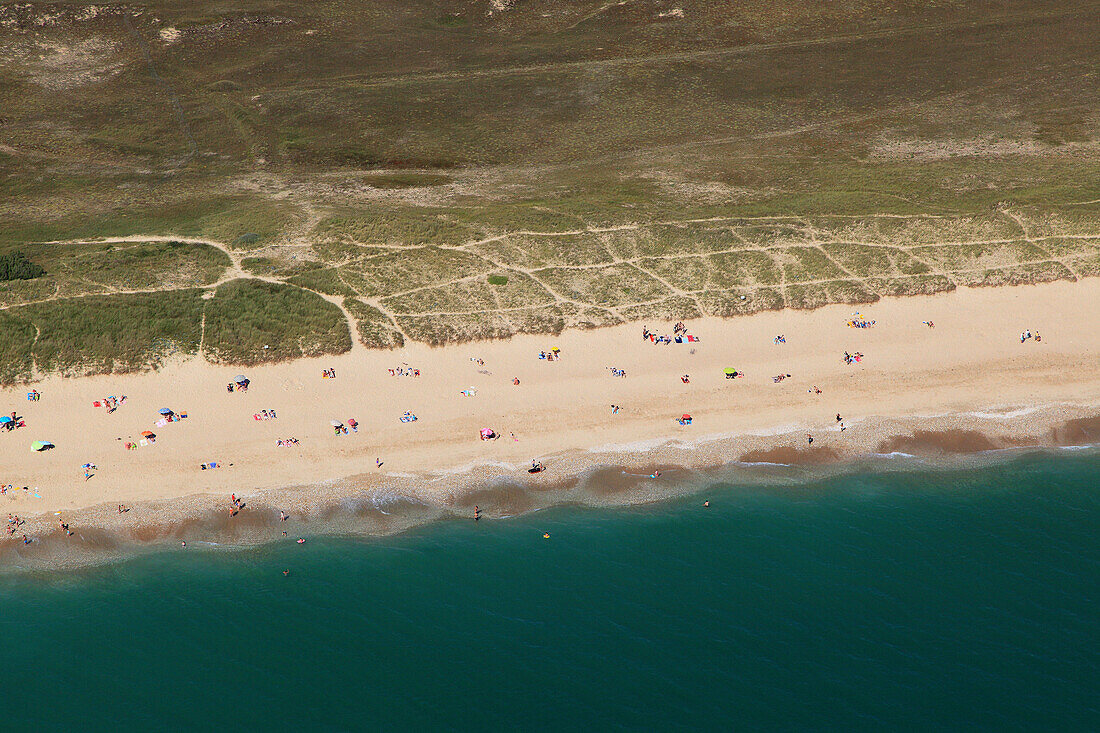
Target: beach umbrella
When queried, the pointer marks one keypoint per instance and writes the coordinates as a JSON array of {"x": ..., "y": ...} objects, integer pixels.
[
  {"x": 335, "y": 423},
  {"x": 730, "y": 371},
  {"x": 685, "y": 416},
  {"x": 148, "y": 434},
  {"x": 240, "y": 378},
  {"x": 165, "y": 411},
  {"x": 41, "y": 445},
  {"x": 5, "y": 420}
]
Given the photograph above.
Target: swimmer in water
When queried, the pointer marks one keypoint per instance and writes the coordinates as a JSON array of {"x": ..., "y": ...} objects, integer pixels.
[
  {"x": 183, "y": 544},
  {"x": 706, "y": 503},
  {"x": 301, "y": 541},
  {"x": 477, "y": 513},
  {"x": 286, "y": 572},
  {"x": 546, "y": 535}
]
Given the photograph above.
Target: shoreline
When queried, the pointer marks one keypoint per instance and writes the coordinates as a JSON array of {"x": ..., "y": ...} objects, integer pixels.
[
  {"x": 964, "y": 387},
  {"x": 597, "y": 479}
]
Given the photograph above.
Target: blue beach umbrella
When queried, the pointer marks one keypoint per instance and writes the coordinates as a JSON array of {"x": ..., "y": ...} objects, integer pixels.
[
  {"x": 5, "y": 420},
  {"x": 41, "y": 445},
  {"x": 165, "y": 411}
]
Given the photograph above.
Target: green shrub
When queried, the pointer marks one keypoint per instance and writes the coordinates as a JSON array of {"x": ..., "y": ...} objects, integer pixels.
[
  {"x": 498, "y": 279},
  {"x": 16, "y": 266}
]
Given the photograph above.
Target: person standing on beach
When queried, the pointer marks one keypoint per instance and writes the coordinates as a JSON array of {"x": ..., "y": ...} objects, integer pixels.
[{"x": 809, "y": 439}]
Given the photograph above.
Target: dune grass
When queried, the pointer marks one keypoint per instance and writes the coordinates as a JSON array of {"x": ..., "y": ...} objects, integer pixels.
[
  {"x": 252, "y": 322},
  {"x": 477, "y": 175}
]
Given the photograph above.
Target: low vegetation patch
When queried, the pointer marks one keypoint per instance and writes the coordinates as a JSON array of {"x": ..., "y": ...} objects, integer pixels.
[
  {"x": 250, "y": 322},
  {"x": 16, "y": 266}
]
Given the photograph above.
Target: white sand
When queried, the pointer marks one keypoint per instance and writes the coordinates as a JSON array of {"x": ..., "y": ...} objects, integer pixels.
[{"x": 972, "y": 361}]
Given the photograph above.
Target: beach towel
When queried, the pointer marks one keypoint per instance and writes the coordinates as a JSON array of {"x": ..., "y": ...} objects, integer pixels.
[
  {"x": 96, "y": 404},
  {"x": 161, "y": 423},
  {"x": 692, "y": 339},
  {"x": 255, "y": 417},
  {"x": 143, "y": 442}
]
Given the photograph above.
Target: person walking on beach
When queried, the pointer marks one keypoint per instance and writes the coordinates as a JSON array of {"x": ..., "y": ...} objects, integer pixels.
[{"x": 809, "y": 439}]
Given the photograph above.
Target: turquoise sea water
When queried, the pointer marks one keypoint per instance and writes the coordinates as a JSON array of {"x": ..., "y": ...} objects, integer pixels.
[{"x": 875, "y": 601}]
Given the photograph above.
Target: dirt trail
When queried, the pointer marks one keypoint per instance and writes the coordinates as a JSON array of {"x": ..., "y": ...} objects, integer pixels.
[
  {"x": 811, "y": 237},
  {"x": 366, "y": 81}
]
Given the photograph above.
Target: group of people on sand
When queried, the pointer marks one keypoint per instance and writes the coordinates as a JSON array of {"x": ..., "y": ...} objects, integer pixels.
[
  {"x": 343, "y": 429},
  {"x": 1027, "y": 335},
  {"x": 852, "y": 358},
  {"x": 328, "y": 374},
  {"x": 780, "y": 339},
  {"x": 34, "y": 395},
  {"x": 679, "y": 335},
  {"x": 404, "y": 371},
  {"x": 111, "y": 403},
  {"x": 14, "y": 522},
  {"x": 235, "y": 505},
  {"x": 241, "y": 386},
  {"x": 287, "y": 442},
  {"x": 14, "y": 422},
  {"x": 616, "y": 372}
]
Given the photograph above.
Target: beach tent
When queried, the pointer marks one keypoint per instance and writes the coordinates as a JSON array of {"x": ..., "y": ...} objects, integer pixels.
[
  {"x": 41, "y": 445},
  {"x": 166, "y": 411}
]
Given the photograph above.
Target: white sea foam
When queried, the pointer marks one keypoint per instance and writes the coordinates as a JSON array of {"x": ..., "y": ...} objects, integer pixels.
[
  {"x": 473, "y": 466},
  {"x": 1005, "y": 414},
  {"x": 641, "y": 446}
]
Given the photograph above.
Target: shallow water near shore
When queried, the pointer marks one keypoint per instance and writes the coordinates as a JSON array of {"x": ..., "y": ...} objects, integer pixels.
[{"x": 870, "y": 598}]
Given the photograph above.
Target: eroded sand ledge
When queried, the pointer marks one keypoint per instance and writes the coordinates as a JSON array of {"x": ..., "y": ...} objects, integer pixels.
[{"x": 967, "y": 385}]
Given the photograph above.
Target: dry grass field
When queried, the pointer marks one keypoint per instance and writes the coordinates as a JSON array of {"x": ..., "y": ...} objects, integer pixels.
[{"x": 194, "y": 178}]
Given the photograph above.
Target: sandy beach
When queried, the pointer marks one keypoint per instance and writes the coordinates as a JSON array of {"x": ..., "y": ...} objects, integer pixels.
[{"x": 967, "y": 384}]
